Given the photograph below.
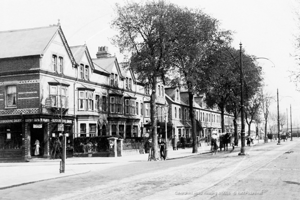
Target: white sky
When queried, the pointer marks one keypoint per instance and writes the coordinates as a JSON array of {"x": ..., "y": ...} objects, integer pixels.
[{"x": 266, "y": 28}]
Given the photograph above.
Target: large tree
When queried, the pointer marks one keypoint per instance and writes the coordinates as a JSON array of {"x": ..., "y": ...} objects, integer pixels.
[
  {"x": 223, "y": 82},
  {"x": 195, "y": 34},
  {"x": 145, "y": 32}
]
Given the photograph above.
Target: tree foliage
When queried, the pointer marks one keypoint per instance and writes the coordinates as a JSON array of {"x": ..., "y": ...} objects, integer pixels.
[
  {"x": 144, "y": 30},
  {"x": 195, "y": 34}
]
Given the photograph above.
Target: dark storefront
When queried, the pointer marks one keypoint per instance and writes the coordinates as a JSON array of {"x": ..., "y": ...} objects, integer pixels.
[{"x": 19, "y": 138}]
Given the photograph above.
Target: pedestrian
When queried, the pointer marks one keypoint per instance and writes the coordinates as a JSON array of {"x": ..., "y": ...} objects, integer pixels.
[
  {"x": 232, "y": 142},
  {"x": 56, "y": 151},
  {"x": 161, "y": 144},
  {"x": 37, "y": 148},
  {"x": 248, "y": 141},
  {"x": 214, "y": 143}
]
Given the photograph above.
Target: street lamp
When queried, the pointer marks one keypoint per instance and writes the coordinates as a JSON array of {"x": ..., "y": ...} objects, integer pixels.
[
  {"x": 278, "y": 125},
  {"x": 242, "y": 107},
  {"x": 166, "y": 130},
  {"x": 291, "y": 122}
]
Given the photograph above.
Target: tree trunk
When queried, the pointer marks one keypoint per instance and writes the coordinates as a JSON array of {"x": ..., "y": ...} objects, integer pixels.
[
  {"x": 266, "y": 130},
  {"x": 236, "y": 135},
  {"x": 154, "y": 119},
  {"x": 249, "y": 126},
  {"x": 222, "y": 118},
  {"x": 192, "y": 117}
]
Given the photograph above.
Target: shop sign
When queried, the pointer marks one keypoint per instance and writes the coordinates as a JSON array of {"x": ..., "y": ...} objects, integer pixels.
[
  {"x": 37, "y": 125},
  {"x": 60, "y": 127},
  {"x": 48, "y": 103},
  {"x": 66, "y": 121},
  {"x": 7, "y": 121},
  {"x": 41, "y": 120}
]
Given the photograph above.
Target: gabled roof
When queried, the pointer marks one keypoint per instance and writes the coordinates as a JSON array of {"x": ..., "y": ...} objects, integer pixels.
[
  {"x": 26, "y": 42},
  {"x": 78, "y": 53},
  {"x": 124, "y": 68},
  {"x": 30, "y": 42},
  {"x": 107, "y": 64}
]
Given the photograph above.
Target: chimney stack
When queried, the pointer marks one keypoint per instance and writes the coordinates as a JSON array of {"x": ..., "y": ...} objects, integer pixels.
[{"x": 103, "y": 52}]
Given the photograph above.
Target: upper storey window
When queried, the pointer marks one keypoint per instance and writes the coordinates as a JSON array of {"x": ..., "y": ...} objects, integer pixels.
[
  {"x": 81, "y": 71},
  {"x": 59, "y": 96},
  {"x": 114, "y": 80},
  {"x": 57, "y": 64},
  {"x": 128, "y": 83},
  {"x": 11, "y": 96},
  {"x": 84, "y": 72}
]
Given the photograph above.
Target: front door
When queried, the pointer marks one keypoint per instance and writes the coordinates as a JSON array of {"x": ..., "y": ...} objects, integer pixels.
[{"x": 37, "y": 140}]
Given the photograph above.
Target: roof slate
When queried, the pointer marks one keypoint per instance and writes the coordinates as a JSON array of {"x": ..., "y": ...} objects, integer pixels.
[{"x": 25, "y": 42}]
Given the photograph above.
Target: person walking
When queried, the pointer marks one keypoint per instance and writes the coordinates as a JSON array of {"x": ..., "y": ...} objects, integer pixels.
[
  {"x": 214, "y": 138},
  {"x": 162, "y": 144},
  {"x": 232, "y": 142}
]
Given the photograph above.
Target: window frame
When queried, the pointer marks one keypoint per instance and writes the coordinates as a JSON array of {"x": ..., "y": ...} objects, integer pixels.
[{"x": 14, "y": 97}]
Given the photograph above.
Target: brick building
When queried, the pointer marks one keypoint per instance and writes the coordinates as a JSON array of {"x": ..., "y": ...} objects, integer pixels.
[{"x": 48, "y": 88}]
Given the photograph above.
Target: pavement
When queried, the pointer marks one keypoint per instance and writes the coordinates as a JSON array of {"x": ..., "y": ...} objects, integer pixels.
[{"x": 39, "y": 169}]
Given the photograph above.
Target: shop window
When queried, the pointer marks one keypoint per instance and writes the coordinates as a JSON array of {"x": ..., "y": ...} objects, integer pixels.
[{"x": 11, "y": 96}]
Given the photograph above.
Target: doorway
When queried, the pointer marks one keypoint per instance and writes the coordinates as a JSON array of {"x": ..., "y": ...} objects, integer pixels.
[{"x": 37, "y": 135}]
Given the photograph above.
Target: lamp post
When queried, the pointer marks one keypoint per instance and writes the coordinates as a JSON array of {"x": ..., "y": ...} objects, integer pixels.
[
  {"x": 278, "y": 122},
  {"x": 166, "y": 131},
  {"x": 291, "y": 122},
  {"x": 242, "y": 152}
]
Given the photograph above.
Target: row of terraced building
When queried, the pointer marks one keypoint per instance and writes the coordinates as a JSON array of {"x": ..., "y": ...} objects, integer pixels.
[{"x": 48, "y": 88}]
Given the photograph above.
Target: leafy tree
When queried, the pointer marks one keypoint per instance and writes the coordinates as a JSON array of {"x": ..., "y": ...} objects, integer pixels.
[
  {"x": 195, "y": 34},
  {"x": 145, "y": 32},
  {"x": 223, "y": 86}
]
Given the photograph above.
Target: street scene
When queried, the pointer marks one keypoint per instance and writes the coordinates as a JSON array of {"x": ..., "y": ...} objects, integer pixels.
[
  {"x": 149, "y": 99},
  {"x": 259, "y": 174}
]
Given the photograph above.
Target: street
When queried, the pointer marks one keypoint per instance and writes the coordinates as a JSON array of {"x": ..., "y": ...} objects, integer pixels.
[{"x": 268, "y": 171}]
